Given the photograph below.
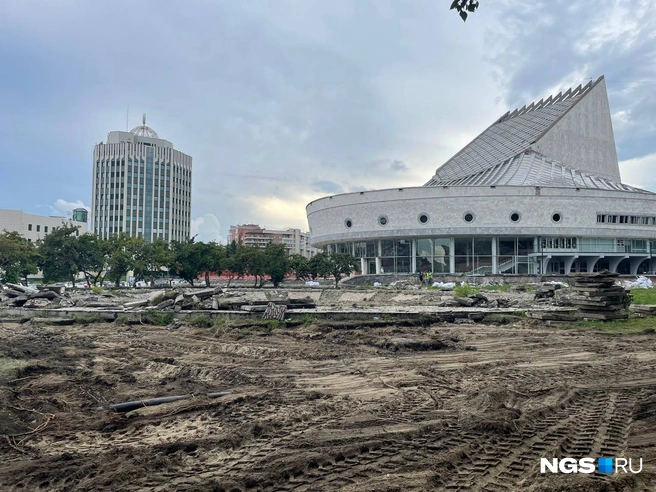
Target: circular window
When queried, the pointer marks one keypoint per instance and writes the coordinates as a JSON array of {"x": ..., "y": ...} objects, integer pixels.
[
  {"x": 557, "y": 217},
  {"x": 348, "y": 223},
  {"x": 515, "y": 216},
  {"x": 469, "y": 217},
  {"x": 423, "y": 218},
  {"x": 382, "y": 220}
]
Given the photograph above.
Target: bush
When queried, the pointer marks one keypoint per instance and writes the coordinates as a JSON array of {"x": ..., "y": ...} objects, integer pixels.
[{"x": 96, "y": 289}]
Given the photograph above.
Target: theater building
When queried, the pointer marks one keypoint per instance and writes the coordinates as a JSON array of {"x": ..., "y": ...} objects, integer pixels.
[{"x": 538, "y": 192}]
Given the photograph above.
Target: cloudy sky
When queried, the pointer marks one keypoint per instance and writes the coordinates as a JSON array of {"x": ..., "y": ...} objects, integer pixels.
[{"x": 281, "y": 102}]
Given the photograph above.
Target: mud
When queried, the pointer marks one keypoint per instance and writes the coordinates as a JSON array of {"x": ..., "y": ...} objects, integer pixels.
[{"x": 319, "y": 407}]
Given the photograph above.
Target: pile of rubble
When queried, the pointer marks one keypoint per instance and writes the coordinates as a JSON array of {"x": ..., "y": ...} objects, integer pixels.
[
  {"x": 177, "y": 299},
  {"x": 480, "y": 300},
  {"x": 212, "y": 299},
  {"x": 597, "y": 297},
  {"x": 21, "y": 296}
]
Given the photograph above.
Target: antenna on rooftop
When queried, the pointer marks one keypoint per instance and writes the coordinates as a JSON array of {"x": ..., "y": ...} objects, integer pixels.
[{"x": 144, "y": 119}]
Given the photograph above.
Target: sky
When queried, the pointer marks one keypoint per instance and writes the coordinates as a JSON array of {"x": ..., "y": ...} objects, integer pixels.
[{"x": 282, "y": 102}]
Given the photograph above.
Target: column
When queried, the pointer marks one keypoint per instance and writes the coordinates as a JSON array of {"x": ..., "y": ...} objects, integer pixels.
[
  {"x": 452, "y": 255},
  {"x": 413, "y": 264},
  {"x": 494, "y": 255}
]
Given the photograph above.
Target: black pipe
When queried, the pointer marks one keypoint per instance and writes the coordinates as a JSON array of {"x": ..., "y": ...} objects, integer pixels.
[{"x": 133, "y": 405}]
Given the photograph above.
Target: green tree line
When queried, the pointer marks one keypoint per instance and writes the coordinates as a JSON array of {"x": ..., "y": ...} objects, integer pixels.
[{"x": 62, "y": 256}]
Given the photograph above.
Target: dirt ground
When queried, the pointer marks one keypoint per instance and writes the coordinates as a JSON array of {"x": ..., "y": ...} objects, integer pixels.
[{"x": 323, "y": 407}]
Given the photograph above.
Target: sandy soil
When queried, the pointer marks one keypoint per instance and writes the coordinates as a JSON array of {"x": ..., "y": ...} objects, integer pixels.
[{"x": 442, "y": 407}]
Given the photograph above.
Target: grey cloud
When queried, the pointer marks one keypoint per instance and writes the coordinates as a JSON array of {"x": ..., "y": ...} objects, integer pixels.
[
  {"x": 329, "y": 187},
  {"x": 397, "y": 165},
  {"x": 579, "y": 42}
]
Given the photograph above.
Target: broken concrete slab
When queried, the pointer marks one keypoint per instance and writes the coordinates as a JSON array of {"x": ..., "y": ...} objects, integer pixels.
[
  {"x": 465, "y": 301},
  {"x": 57, "y": 289},
  {"x": 135, "y": 304},
  {"x": 44, "y": 294},
  {"x": 165, "y": 304},
  {"x": 36, "y": 303},
  {"x": 20, "y": 288},
  {"x": 204, "y": 294}
]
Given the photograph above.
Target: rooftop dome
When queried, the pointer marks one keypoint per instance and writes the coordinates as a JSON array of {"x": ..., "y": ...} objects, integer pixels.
[{"x": 144, "y": 130}]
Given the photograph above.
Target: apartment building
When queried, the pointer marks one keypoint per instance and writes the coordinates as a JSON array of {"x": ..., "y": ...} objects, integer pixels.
[{"x": 295, "y": 241}]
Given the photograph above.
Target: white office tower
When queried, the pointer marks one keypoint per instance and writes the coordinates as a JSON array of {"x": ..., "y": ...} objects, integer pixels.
[{"x": 141, "y": 186}]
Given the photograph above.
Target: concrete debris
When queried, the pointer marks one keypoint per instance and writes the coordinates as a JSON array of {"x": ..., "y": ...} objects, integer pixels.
[
  {"x": 597, "y": 297},
  {"x": 165, "y": 303},
  {"x": 136, "y": 304}
]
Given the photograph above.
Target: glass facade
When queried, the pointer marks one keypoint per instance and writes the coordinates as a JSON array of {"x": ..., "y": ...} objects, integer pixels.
[
  {"x": 144, "y": 191},
  {"x": 497, "y": 255}
]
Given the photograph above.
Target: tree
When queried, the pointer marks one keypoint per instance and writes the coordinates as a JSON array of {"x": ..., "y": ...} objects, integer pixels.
[
  {"x": 18, "y": 257},
  {"x": 300, "y": 265},
  {"x": 210, "y": 256},
  {"x": 464, "y": 7},
  {"x": 92, "y": 254},
  {"x": 59, "y": 255},
  {"x": 320, "y": 265},
  {"x": 187, "y": 260},
  {"x": 150, "y": 260},
  {"x": 121, "y": 254},
  {"x": 9, "y": 256},
  {"x": 253, "y": 262},
  {"x": 232, "y": 263},
  {"x": 276, "y": 262},
  {"x": 29, "y": 260},
  {"x": 341, "y": 264}
]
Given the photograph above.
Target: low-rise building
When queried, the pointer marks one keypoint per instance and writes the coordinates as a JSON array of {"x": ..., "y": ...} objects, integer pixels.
[
  {"x": 295, "y": 241},
  {"x": 35, "y": 227}
]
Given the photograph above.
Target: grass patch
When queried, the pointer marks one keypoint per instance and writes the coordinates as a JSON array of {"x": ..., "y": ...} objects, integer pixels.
[
  {"x": 201, "y": 322},
  {"x": 364, "y": 287},
  {"x": 497, "y": 288},
  {"x": 308, "y": 319},
  {"x": 10, "y": 366},
  {"x": 644, "y": 296},
  {"x": 465, "y": 290},
  {"x": 157, "y": 319},
  {"x": 243, "y": 327},
  {"x": 126, "y": 319},
  {"x": 96, "y": 289},
  {"x": 631, "y": 326}
]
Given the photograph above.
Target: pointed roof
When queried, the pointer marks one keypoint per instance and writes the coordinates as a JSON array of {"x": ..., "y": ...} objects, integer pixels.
[
  {"x": 531, "y": 168},
  {"x": 562, "y": 130}
]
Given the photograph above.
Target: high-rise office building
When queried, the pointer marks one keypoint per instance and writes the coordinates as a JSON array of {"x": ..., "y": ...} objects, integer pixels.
[{"x": 141, "y": 186}]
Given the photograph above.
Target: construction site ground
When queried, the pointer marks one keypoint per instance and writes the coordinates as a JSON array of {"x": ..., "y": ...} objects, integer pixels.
[{"x": 323, "y": 406}]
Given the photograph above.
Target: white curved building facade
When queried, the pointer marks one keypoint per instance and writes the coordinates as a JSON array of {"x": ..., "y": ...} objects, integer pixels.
[{"x": 538, "y": 192}]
